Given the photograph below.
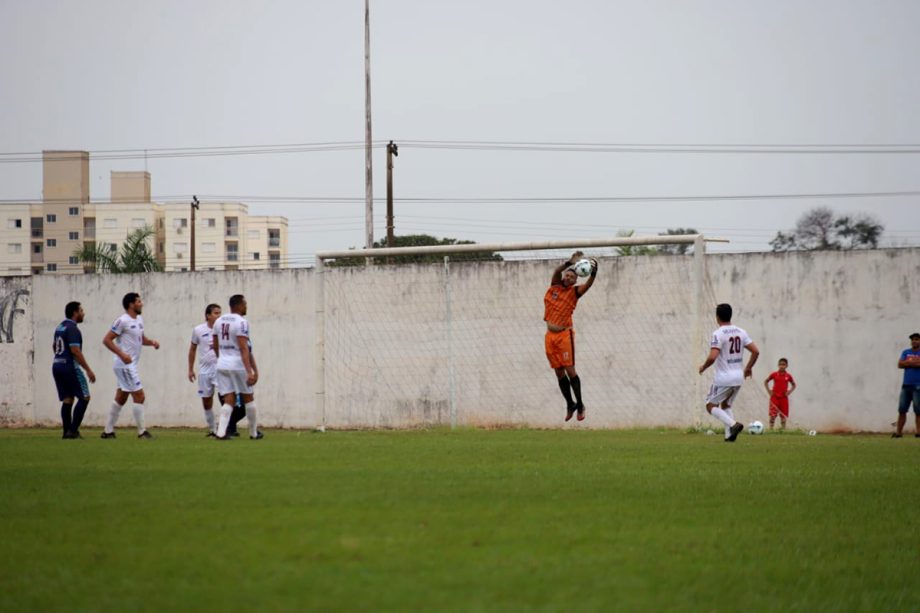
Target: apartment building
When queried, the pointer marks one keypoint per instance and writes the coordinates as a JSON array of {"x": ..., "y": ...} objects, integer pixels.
[{"x": 41, "y": 238}]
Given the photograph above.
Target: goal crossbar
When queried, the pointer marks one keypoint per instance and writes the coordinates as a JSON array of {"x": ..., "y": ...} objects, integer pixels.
[{"x": 623, "y": 241}]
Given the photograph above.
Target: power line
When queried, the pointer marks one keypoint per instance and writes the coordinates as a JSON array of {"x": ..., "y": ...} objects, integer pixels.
[{"x": 461, "y": 145}]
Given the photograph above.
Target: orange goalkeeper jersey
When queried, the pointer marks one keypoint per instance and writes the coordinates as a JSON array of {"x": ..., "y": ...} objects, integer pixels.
[{"x": 559, "y": 304}]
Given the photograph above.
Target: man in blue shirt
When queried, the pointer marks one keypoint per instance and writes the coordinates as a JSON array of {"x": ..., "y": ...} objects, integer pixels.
[
  {"x": 910, "y": 388},
  {"x": 69, "y": 379}
]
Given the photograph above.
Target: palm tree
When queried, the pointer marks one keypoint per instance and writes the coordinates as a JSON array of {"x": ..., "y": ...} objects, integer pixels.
[{"x": 135, "y": 254}]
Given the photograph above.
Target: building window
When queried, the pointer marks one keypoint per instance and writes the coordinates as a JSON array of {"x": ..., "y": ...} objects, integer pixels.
[
  {"x": 113, "y": 247},
  {"x": 233, "y": 252},
  {"x": 274, "y": 260},
  {"x": 138, "y": 222},
  {"x": 181, "y": 247},
  {"x": 161, "y": 223},
  {"x": 51, "y": 267},
  {"x": 51, "y": 242},
  {"x": 50, "y": 218},
  {"x": 181, "y": 222},
  {"x": 74, "y": 259},
  {"x": 36, "y": 247},
  {"x": 254, "y": 255},
  {"x": 73, "y": 211},
  {"x": 209, "y": 222},
  {"x": 162, "y": 247},
  {"x": 208, "y": 247},
  {"x": 109, "y": 223},
  {"x": 14, "y": 248},
  {"x": 274, "y": 237},
  {"x": 12, "y": 224},
  {"x": 74, "y": 236}
]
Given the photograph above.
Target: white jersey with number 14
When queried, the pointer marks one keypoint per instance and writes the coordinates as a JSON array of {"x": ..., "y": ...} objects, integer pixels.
[
  {"x": 730, "y": 341},
  {"x": 228, "y": 329}
]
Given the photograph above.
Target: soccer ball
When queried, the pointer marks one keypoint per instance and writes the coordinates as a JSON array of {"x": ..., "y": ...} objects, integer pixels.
[
  {"x": 582, "y": 268},
  {"x": 755, "y": 428}
]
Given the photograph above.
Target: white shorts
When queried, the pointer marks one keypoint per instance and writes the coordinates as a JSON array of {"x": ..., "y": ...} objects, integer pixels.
[
  {"x": 207, "y": 383},
  {"x": 128, "y": 379},
  {"x": 232, "y": 381},
  {"x": 722, "y": 393}
]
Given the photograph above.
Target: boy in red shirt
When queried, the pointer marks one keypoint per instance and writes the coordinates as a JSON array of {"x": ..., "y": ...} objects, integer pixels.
[{"x": 779, "y": 395}]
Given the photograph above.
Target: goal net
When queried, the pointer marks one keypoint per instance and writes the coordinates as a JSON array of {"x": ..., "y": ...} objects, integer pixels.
[{"x": 449, "y": 341}]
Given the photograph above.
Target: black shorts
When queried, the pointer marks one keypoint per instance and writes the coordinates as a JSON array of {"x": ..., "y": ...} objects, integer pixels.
[{"x": 70, "y": 382}]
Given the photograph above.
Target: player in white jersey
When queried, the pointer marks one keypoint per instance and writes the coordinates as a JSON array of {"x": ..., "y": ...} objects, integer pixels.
[
  {"x": 125, "y": 340},
  {"x": 202, "y": 345},
  {"x": 235, "y": 371},
  {"x": 727, "y": 353}
]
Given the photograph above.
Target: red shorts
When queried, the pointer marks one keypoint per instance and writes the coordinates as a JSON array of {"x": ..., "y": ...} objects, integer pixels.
[
  {"x": 779, "y": 404},
  {"x": 560, "y": 348}
]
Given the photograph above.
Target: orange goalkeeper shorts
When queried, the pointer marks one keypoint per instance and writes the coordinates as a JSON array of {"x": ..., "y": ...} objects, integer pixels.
[{"x": 560, "y": 348}]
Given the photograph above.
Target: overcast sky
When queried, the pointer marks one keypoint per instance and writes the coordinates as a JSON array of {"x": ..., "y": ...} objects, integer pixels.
[{"x": 128, "y": 75}]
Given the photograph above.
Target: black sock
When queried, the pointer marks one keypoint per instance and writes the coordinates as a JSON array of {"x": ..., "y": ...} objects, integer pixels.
[
  {"x": 239, "y": 412},
  {"x": 566, "y": 389},
  {"x": 78, "y": 412},
  {"x": 576, "y": 387},
  {"x": 65, "y": 415}
]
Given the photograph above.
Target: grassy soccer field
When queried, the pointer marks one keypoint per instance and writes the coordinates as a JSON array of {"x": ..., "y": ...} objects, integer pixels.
[{"x": 465, "y": 520}]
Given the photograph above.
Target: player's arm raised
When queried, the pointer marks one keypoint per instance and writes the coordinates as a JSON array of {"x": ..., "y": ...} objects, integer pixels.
[
  {"x": 557, "y": 273},
  {"x": 109, "y": 342},
  {"x": 755, "y": 353},
  {"x": 584, "y": 287}
]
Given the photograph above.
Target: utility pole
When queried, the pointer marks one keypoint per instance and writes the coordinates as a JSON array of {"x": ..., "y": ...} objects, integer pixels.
[
  {"x": 392, "y": 150},
  {"x": 368, "y": 165},
  {"x": 195, "y": 205}
]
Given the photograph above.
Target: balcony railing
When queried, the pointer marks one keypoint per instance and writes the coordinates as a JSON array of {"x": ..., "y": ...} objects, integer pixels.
[
  {"x": 36, "y": 233},
  {"x": 233, "y": 257},
  {"x": 274, "y": 241}
]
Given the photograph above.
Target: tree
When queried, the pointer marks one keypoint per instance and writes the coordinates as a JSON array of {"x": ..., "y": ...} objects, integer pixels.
[
  {"x": 633, "y": 249},
  {"x": 135, "y": 254},
  {"x": 821, "y": 229},
  {"x": 423, "y": 240},
  {"x": 676, "y": 249}
]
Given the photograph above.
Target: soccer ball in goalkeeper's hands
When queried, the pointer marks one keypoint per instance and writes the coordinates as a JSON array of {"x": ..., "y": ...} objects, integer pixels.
[{"x": 583, "y": 268}]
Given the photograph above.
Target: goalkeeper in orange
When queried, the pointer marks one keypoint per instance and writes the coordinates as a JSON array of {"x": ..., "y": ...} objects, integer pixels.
[{"x": 559, "y": 303}]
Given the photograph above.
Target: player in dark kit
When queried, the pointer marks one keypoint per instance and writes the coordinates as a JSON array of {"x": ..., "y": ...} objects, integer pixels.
[{"x": 69, "y": 379}]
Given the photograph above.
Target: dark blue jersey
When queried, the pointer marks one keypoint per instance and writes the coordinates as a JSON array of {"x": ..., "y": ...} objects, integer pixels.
[{"x": 66, "y": 335}]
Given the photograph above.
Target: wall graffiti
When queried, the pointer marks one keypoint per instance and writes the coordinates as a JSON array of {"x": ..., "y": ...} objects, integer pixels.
[{"x": 9, "y": 308}]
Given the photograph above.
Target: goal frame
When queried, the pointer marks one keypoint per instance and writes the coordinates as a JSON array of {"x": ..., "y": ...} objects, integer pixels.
[{"x": 698, "y": 241}]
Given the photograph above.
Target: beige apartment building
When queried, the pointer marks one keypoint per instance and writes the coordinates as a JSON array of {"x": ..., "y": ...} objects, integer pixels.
[{"x": 40, "y": 238}]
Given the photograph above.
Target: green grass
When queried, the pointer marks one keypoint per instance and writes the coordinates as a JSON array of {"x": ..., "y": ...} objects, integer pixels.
[{"x": 465, "y": 520}]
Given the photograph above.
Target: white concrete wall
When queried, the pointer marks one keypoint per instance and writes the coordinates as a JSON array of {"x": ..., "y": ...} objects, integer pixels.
[{"x": 840, "y": 318}]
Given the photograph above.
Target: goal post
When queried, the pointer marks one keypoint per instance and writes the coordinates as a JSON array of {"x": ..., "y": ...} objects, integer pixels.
[{"x": 460, "y": 343}]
